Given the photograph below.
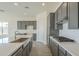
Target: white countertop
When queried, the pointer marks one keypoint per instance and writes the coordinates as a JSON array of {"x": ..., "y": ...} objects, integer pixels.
[
  {"x": 7, "y": 49},
  {"x": 70, "y": 47}
]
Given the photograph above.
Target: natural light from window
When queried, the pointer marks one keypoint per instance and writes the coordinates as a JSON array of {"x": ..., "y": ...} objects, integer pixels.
[{"x": 3, "y": 32}]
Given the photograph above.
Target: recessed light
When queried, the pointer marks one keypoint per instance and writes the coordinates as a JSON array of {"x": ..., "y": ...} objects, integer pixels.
[
  {"x": 43, "y": 4},
  {"x": 16, "y": 4},
  {"x": 25, "y": 13},
  {"x": 27, "y": 7}
]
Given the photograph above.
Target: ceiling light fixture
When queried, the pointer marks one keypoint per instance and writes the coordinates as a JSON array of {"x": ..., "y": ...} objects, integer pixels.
[
  {"x": 16, "y": 4},
  {"x": 25, "y": 13},
  {"x": 43, "y": 4},
  {"x": 26, "y": 7}
]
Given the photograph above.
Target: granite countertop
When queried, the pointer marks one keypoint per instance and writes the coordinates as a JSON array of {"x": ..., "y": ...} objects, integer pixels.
[{"x": 70, "y": 47}]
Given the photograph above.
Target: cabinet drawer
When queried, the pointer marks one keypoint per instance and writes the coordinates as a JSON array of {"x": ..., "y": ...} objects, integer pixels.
[
  {"x": 61, "y": 51},
  {"x": 18, "y": 52},
  {"x": 68, "y": 54}
]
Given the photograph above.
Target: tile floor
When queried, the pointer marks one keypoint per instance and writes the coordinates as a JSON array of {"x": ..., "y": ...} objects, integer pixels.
[{"x": 40, "y": 49}]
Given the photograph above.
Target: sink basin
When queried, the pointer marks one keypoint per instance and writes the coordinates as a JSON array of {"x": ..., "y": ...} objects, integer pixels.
[
  {"x": 19, "y": 40},
  {"x": 64, "y": 39}
]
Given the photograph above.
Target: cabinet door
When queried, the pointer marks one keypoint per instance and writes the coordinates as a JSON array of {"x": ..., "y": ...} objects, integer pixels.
[
  {"x": 27, "y": 50},
  {"x": 56, "y": 20},
  {"x": 24, "y": 51},
  {"x": 62, "y": 52},
  {"x": 64, "y": 10},
  {"x": 34, "y": 36},
  {"x": 30, "y": 46},
  {"x": 54, "y": 48},
  {"x": 73, "y": 15},
  {"x": 18, "y": 52},
  {"x": 68, "y": 54},
  {"x": 59, "y": 14},
  {"x": 52, "y": 21}
]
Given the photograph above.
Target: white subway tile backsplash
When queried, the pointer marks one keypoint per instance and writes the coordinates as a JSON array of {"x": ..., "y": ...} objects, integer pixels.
[{"x": 69, "y": 33}]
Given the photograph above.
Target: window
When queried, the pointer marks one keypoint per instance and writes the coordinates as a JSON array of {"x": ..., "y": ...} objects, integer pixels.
[{"x": 3, "y": 32}]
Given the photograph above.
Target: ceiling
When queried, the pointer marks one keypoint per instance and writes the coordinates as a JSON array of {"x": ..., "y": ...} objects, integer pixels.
[{"x": 20, "y": 10}]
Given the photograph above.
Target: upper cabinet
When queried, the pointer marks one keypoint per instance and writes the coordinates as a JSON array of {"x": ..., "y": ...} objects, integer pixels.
[
  {"x": 59, "y": 14},
  {"x": 62, "y": 12},
  {"x": 68, "y": 12},
  {"x": 58, "y": 25},
  {"x": 56, "y": 20},
  {"x": 73, "y": 15}
]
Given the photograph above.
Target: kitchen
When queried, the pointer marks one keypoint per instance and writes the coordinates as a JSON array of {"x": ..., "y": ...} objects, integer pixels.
[{"x": 48, "y": 27}]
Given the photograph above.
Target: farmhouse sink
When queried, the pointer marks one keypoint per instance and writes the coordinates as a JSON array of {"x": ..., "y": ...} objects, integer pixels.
[{"x": 19, "y": 40}]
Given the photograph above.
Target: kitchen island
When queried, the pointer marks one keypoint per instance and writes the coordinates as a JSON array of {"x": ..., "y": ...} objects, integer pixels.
[{"x": 17, "y": 47}]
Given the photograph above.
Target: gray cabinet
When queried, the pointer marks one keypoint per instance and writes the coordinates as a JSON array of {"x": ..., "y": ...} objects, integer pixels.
[
  {"x": 64, "y": 7},
  {"x": 18, "y": 52},
  {"x": 62, "y": 52},
  {"x": 24, "y": 24},
  {"x": 34, "y": 36},
  {"x": 52, "y": 21},
  {"x": 68, "y": 54},
  {"x": 63, "y": 12},
  {"x": 30, "y": 46},
  {"x": 59, "y": 14},
  {"x": 27, "y": 49},
  {"x": 51, "y": 18},
  {"x": 56, "y": 20},
  {"x": 62, "y": 15},
  {"x": 73, "y": 15},
  {"x": 54, "y": 47}
]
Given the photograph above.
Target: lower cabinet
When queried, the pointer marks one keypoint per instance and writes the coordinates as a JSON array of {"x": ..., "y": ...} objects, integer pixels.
[
  {"x": 54, "y": 48},
  {"x": 27, "y": 49},
  {"x": 30, "y": 46},
  {"x": 68, "y": 54},
  {"x": 18, "y": 52},
  {"x": 23, "y": 51},
  {"x": 62, "y": 52}
]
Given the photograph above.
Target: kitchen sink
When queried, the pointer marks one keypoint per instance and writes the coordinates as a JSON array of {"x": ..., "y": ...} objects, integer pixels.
[
  {"x": 19, "y": 40},
  {"x": 64, "y": 39}
]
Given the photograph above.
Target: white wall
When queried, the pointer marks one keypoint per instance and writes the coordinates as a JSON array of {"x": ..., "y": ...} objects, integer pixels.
[
  {"x": 42, "y": 27},
  {"x": 12, "y": 21},
  {"x": 69, "y": 33}
]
